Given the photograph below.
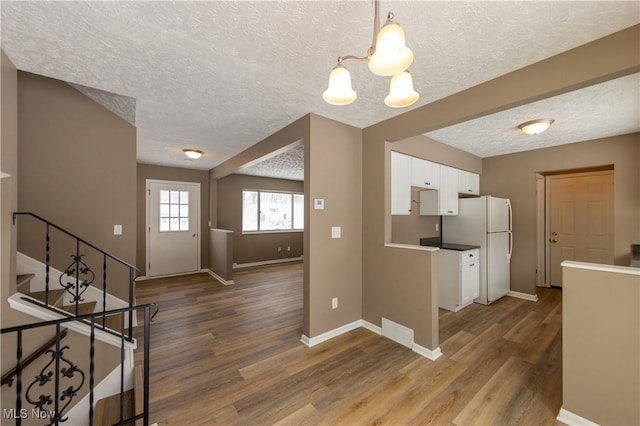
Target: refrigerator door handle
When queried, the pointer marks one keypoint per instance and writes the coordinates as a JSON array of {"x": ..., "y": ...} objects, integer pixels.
[
  {"x": 510, "y": 229},
  {"x": 510, "y": 246}
]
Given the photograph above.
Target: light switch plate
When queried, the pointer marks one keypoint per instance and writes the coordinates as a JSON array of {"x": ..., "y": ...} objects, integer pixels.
[
  {"x": 117, "y": 229},
  {"x": 336, "y": 232},
  {"x": 318, "y": 203}
]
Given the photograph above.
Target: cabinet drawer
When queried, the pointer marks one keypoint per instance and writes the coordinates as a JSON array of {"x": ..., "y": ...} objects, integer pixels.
[{"x": 470, "y": 256}]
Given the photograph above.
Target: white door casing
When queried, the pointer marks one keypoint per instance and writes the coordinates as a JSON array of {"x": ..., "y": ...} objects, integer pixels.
[{"x": 173, "y": 227}]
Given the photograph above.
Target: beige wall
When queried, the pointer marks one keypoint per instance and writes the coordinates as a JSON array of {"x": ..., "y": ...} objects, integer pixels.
[
  {"x": 614, "y": 56},
  {"x": 513, "y": 176},
  {"x": 8, "y": 185},
  {"x": 221, "y": 253},
  {"x": 250, "y": 248},
  {"x": 334, "y": 173},
  {"x": 601, "y": 345},
  {"x": 77, "y": 168},
  {"x": 148, "y": 171}
]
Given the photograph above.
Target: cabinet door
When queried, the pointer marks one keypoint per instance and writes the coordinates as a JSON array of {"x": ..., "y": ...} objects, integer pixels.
[
  {"x": 468, "y": 183},
  {"x": 424, "y": 174},
  {"x": 448, "y": 193},
  {"x": 470, "y": 281},
  {"x": 400, "y": 184}
]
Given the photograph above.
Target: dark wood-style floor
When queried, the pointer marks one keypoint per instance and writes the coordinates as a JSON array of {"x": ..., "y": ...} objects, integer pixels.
[{"x": 232, "y": 355}]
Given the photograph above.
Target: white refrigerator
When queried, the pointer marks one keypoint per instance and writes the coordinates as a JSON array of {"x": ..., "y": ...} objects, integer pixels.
[{"x": 486, "y": 222}]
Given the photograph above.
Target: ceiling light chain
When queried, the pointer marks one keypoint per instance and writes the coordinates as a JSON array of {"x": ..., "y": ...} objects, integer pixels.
[{"x": 387, "y": 56}]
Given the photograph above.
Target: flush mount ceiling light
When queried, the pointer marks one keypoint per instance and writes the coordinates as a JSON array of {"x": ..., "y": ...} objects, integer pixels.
[
  {"x": 387, "y": 56},
  {"x": 193, "y": 154},
  {"x": 535, "y": 127}
]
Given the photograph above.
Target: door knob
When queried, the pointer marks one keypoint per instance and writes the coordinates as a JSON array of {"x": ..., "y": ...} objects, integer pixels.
[
  {"x": 553, "y": 240},
  {"x": 194, "y": 235},
  {"x": 554, "y": 233}
]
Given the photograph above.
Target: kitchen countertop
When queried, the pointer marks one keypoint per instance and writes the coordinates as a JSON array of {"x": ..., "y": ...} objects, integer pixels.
[
  {"x": 435, "y": 242},
  {"x": 412, "y": 247}
]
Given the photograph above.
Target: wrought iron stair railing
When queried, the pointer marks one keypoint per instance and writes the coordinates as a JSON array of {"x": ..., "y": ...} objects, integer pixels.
[
  {"x": 79, "y": 275},
  {"x": 50, "y": 394}
]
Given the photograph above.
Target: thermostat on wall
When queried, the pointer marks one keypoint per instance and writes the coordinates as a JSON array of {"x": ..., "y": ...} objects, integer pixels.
[{"x": 318, "y": 203}]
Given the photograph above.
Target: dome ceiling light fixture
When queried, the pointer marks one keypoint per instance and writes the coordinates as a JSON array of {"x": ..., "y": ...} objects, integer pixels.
[
  {"x": 388, "y": 56},
  {"x": 535, "y": 127},
  {"x": 192, "y": 154}
]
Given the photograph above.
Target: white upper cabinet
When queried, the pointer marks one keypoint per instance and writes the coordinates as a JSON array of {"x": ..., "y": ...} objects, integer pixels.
[
  {"x": 443, "y": 202},
  {"x": 468, "y": 183},
  {"x": 400, "y": 184},
  {"x": 425, "y": 174}
]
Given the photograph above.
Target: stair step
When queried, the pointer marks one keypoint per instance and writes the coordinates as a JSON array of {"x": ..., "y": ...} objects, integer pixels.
[
  {"x": 108, "y": 409},
  {"x": 83, "y": 308},
  {"x": 23, "y": 282},
  {"x": 114, "y": 323},
  {"x": 55, "y": 296}
]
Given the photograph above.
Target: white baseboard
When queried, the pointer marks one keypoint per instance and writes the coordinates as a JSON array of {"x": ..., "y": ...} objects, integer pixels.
[
  {"x": 266, "y": 262},
  {"x": 180, "y": 274},
  {"x": 219, "y": 278},
  {"x": 371, "y": 327},
  {"x": 312, "y": 341},
  {"x": 525, "y": 296},
  {"x": 427, "y": 353},
  {"x": 572, "y": 419},
  {"x": 420, "y": 350}
]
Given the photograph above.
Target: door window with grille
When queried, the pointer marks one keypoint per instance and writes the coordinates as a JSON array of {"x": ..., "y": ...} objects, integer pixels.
[{"x": 174, "y": 211}]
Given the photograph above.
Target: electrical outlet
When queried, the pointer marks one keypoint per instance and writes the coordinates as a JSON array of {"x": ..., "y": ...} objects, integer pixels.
[
  {"x": 437, "y": 226},
  {"x": 288, "y": 248},
  {"x": 334, "y": 303},
  {"x": 279, "y": 249},
  {"x": 117, "y": 229}
]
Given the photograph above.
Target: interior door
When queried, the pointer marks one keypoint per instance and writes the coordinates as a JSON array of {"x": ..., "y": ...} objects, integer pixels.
[
  {"x": 580, "y": 220},
  {"x": 173, "y": 225}
]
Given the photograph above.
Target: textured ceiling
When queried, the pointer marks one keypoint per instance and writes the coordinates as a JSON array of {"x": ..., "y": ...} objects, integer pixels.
[
  {"x": 603, "y": 110},
  {"x": 286, "y": 165},
  {"x": 221, "y": 76}
]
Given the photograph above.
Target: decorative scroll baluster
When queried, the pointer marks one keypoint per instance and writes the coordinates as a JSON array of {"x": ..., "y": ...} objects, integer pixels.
[
  {"x": 75, "y": 286},
  {"x": 58, "y": 383},
  {"x": 55, "y": 375}
]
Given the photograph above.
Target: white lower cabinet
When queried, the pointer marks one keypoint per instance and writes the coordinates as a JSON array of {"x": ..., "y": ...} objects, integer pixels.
[{"x": 459, "y": 278}]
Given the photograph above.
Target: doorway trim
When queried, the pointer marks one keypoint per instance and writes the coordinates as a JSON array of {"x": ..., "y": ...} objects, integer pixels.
[{"x": 147, "y": 192}]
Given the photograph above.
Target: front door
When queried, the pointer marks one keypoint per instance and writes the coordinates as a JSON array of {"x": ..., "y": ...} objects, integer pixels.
[
  {"x": 580, "y": 220},
  {"x": 173, "y": 227}
]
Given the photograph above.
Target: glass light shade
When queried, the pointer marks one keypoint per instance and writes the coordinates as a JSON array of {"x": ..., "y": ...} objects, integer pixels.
[
  {"x": 339, "y": 91},
  {"x": 193, "y": 154},
  {"x": 535, "y": 127},
  {"x": 391, "y": 55},
  {"x": 401, "y": 92}
]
